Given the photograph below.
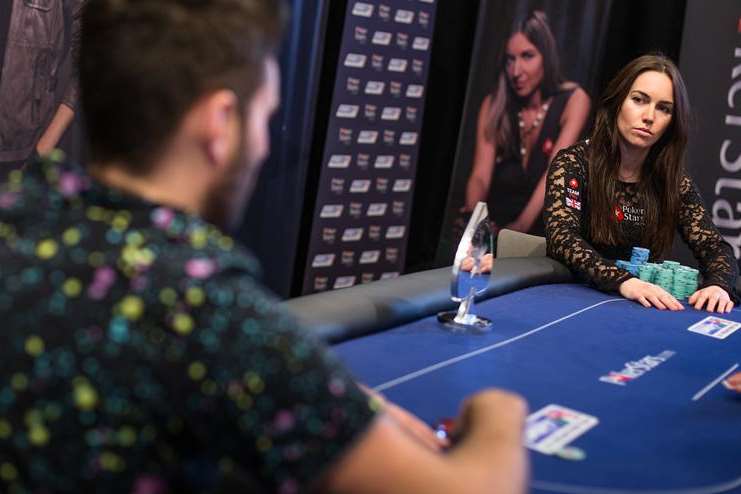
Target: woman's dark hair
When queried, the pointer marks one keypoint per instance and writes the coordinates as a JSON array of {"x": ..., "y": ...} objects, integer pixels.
[
  {"x": 499, "y": 129},
  {"x": 662, "y": 171},
  {"x": 143, "y": 63}
]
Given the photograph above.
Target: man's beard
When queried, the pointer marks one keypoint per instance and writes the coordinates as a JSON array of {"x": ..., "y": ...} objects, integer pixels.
[{"x": 226, "y": 203}]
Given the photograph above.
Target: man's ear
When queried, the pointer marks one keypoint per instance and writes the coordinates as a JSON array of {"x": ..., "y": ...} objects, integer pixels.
[{"x": 220, "y": 126}]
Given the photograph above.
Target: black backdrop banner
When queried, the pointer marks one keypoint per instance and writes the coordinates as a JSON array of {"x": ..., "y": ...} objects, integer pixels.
[
  {"x": 710, "y": 62},
  {"x": 361, "y": 219}
]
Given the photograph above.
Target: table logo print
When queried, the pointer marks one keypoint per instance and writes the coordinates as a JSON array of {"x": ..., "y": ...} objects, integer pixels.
[{"x": 636, "y": 368}]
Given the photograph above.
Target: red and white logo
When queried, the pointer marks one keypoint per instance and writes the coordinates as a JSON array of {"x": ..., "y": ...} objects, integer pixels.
[
  {"x": 619, "y": 214},
  {"x": 574, "y": 183}
]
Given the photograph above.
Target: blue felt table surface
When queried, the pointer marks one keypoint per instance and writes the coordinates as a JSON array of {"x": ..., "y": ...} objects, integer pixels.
[{"x": 552, "y": 344}]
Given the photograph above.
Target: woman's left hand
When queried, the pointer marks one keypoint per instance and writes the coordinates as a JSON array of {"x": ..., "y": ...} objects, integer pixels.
[{"x": 717, "y": 299}]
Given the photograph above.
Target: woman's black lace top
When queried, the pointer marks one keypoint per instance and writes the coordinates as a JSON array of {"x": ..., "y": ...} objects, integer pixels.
[{"x": 567, "y": 232}]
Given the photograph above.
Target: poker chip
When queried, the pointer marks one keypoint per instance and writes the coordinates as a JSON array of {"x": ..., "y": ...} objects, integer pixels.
[
  {"x": 665, "y": 277},
  {"x": 444, "y": 428},
  {"x": 571, "y": 453},
  {"x": 685, "y": 281},
  {"x": 632, "y": 268},
  {"x": 648, "y": 271},
  {"x": 639, "y": 255}
]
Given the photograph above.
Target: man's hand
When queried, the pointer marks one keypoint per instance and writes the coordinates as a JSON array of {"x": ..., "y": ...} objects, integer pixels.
[
  {"x": 499, "y": 414},
  {"x": 51, "y": 136},
  {"x": 717, "y": 299},
  {"x": 734, "y": 382},
  {"x": 648, "y": 294},
  {"x": 414, "y": 426},
  {"x": 407, "y": 422}
]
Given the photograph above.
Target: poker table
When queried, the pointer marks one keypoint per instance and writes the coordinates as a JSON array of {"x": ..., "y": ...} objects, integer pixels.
[{"x": 666, "y": 423}]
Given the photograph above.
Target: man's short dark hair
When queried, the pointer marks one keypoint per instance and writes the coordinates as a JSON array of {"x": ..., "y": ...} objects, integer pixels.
[{"x": 144, "y": 63}]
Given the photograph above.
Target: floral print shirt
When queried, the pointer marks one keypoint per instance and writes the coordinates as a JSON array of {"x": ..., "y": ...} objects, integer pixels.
[{"x": 138, "y": 353}]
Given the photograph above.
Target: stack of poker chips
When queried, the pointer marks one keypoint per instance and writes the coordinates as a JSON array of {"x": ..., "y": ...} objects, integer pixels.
[
  {"x": 649, "y": 271},
  {"x": 638, "y": 258},
  {"x": 680, "y": 281},
  {"x": 685, "y": 282}
]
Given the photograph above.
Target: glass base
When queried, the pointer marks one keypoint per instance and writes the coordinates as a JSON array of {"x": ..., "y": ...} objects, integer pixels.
[{"x": 470, "y": 323}]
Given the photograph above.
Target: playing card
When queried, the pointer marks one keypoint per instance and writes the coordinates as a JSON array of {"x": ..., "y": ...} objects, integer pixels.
[
  {"x": 715, "y": 327},
  {"x": 552, "y": 427}
]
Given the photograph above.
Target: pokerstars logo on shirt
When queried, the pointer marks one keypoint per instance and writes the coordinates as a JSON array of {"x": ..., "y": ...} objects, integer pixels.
[
  {"x": 631, "y": 214},
  {"x": 619, "y": 215}
]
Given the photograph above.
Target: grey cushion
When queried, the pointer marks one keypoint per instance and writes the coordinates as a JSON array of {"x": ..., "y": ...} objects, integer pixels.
[
  {"x": 515, "y": 244},
  {"x": 351, "y": 312}
]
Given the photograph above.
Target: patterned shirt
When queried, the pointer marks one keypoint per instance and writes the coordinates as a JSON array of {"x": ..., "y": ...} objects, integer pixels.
[
  {"x": 567, "y": 207},
  {"x": 139, "y": 355}
]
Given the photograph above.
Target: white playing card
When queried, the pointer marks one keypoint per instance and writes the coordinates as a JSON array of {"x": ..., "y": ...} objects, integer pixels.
[
  {"x": 553, "y": 427},
  {"x": 715, "y": 327}
]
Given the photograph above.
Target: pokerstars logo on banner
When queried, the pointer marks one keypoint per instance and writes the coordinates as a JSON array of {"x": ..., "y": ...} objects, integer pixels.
[
  {"x": 362, "y": 9},
  {"x": 404, "y": 16},
  {"x": 344, "y": 282},
  {"x": 635, "y": 369}
]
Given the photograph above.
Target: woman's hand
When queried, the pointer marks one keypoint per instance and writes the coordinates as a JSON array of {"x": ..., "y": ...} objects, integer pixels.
[
  {"x": 648, "y": 294},
  {"x": 487, "y": 261},
  {"x": 717, "y": 299}
]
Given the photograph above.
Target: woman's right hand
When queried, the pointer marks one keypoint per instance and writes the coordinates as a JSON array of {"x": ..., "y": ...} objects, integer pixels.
[{"x": 648, "y": 295}]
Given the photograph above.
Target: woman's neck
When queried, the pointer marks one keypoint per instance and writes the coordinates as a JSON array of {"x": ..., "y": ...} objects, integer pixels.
[
  {"x": 534, "y": 101},
  {"x": 631, "y": 162}
]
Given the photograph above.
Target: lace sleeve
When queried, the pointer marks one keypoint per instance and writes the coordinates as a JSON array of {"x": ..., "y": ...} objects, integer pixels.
[
  {"x": 717, "y": 263},
  {"x": 565, "y": 201}
]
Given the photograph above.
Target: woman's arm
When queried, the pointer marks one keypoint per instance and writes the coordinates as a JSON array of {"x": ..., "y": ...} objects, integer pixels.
[
  {"x": 715, "y": 257},
  {"x": 566, "y": 191},
  {"x": 479, "y": 181},
  {"x": 573, "y": 119}
]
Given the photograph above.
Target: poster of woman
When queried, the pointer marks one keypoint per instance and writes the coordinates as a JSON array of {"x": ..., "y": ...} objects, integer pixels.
[
  {"x": 530, "y": 115},
  {"x": 528, "y": 98}
]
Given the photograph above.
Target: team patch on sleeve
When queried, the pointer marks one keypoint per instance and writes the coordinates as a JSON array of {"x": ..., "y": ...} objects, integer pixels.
[{"x": 573, "y": 195}]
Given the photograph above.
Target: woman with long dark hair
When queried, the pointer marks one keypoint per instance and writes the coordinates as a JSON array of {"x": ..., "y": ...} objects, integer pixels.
[
  {"x": 627, "y": 186},
  {"x": 529, "y": 116}
]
